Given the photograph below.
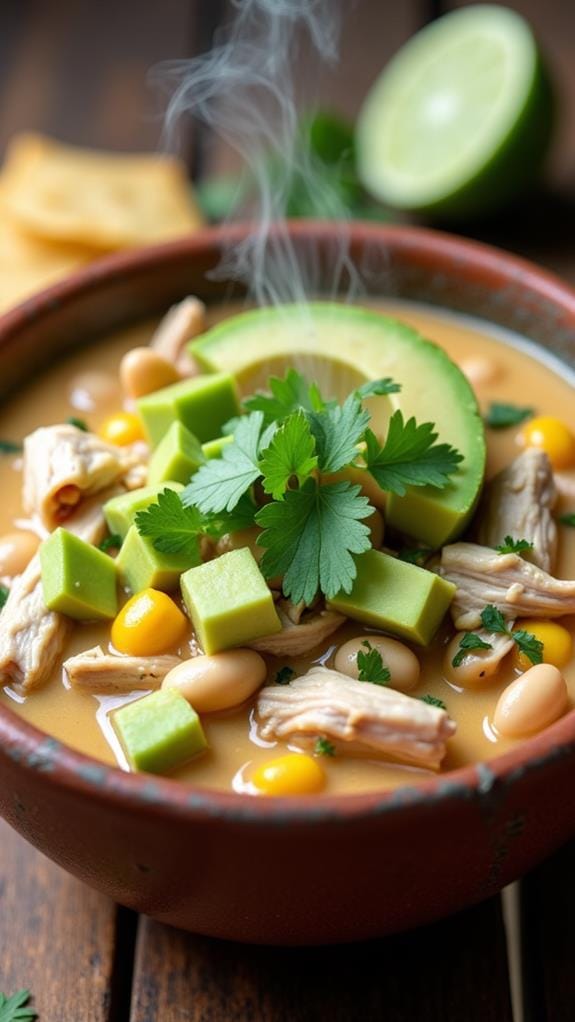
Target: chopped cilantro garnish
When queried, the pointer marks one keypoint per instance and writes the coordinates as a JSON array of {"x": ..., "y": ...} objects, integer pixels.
[
  {"x": 175, "y": 527},
  {"x": 513, "y": 546},
  {"x": 78, "y": 423},
  {"x": 468, "y": 642},
  {"x": 323, "y": 747},
  {"x": 291, "y": 453},
  {"x": 10, "y": 447},
  {"x": 371, "y": 666},
  {"x": 493, "y": 620},
  {"x": 409, "y": 456},
  {"x": 113, "y": 542},
  {"x": 568, "y": 519},
  {"x": 415, "y": 555},
  {"x": 375, "y": 388},
  {"x": 287, "y": 396},
  {"x": 337, "y": 431},
  {"x": 16, "y": 1008},
  {"x": 4, "y": 594},
  {"x": 433, "y": 701},
  {"x": 501, "y": 416},
  {"x": 221, "y": 482},
  {"x": 284, "y": 675}
]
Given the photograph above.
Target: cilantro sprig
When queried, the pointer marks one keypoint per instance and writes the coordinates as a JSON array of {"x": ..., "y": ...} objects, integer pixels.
[
  {"x": 502, "y": 416},
  {"x": 16, "y": 1007},
  {"x": 409, "y": 456},
  {"x": 4, "y": 594},
  {"x": 176, "y": 528},
  {"x": 433, "y": 701},
  {"x": 526, "y": 642},
  {"x": 513, "y": 546},
  {"x": 371, "y": 666},
  {"x": 323, "y": 747},
  {"x": 467, "y": 643}
]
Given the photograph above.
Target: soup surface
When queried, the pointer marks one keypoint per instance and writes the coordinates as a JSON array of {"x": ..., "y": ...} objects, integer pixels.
[{"x": 510, "y": 373}]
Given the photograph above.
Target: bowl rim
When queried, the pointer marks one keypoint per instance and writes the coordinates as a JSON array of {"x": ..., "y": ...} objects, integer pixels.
[{"x": 61, "y": 766}]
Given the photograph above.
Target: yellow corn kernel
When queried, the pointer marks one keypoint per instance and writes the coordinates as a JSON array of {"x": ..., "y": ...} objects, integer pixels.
[
  {"x": 294, "y": 774},
  {"x": 552, "y": 436},
  {"x": 121, "y": 429},
  {"x": 148, "y": 624},
  {"x": 557, "y": 643}
]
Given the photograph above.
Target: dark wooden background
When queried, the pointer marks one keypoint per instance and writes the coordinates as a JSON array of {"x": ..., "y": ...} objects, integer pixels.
[{"x": 78, "y": 70}]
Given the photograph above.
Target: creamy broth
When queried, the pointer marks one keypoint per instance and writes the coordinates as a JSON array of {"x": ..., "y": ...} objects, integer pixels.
[{"x": 82, "y": 720}]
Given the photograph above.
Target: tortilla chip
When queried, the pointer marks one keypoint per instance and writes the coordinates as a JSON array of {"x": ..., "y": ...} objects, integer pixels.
[{"x": 101, "y": 200}]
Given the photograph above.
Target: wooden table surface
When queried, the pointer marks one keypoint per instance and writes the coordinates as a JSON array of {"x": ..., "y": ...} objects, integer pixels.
[{"x": 78, "y": 70}]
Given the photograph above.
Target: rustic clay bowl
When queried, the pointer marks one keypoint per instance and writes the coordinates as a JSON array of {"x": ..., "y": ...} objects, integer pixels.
[{"x": 298, "y": 870}]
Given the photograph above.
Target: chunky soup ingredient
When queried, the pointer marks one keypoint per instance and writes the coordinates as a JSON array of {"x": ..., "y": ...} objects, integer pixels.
[
  {"x": 552, "y": 436},
  {"x": 401, "y": 661},
  {"x": 294, "y": 774},
  {"x": 531, "y": 702},
  {"x": 557, "y": 643},
  {"x": 229, "y": 602},
  {"x": 122, "y": 429},
  {"x": 103, "y": 673},
  {"x": 142, "y": 371},
  {"x": 141, "y": 566},
  {"x": 202, "y": 403},
  {"x": 178, "y": 455},
  {"x": 302, "y": 630},
  {"x": 159, "y": 732},
  {"x": 16, "y": 551},
  {"x": 359, "y": 719},
  {"x": 77, "y": 579},
  {"x": 148, "y": 624},
  {"x": 219, "y": 681},
  {"x": 121, "y": 510},
  {"x": 179, "y": 326}
]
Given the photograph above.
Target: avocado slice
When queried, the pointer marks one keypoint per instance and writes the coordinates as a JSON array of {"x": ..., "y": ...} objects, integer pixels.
[{"x": 341, "y": 346}]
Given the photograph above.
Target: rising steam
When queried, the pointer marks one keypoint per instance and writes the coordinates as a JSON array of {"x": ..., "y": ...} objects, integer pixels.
[{"x": 244, "y": 90}]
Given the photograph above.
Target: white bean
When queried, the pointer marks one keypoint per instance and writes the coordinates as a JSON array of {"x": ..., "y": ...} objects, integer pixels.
[
  {"x": 142, "y": 371},
  {"x": 220, "y": 681},
  {"x": 16, "y": 551},
  {"x": 531, "y": 702},
  {"x": 402, "y": 663}
]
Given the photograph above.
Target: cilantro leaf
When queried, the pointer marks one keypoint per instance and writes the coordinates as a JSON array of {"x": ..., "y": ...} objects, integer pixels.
[
  {"x": 10, "y": 447},
  {"x": 221, "y": 482},
  {"x": 323, "y": 747},
  {"x": 284, "y": 675},
  {"x": 112, "y": 542},
  {"x": 568, "y": 519},
  {"x": 531, "y": 647},
  {"x": 415, "y": 555},
  {"x": 172, "y": 527},
  {"x": 310, "y": 538},
  {"x": 337, "y": 430},
  {"x": 513, "y": 546},
  {"x": 371, "y": 666},
  {"x": 501, "y": 416},
  {"x": 291, "y": 453},
  {"x": 468, "y": 642},
  {"x": 433, "y": 701},
  {"x": 217, "y": 524},
  {"x": 15, "y": 1008},
  {"x": 78, "y": 423},
  {"x": 4, "y": 594},
  {"x": 409, "y": 456},
  {"x": 373, "y": 388},
  {"x": 493, "y": 620},
  {"x": 287, "y": 395}
]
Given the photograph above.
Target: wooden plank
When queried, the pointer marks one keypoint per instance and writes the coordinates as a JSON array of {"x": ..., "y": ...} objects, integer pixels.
[
  {"x": 548, "y": 938},
  {"x": 454, "y": 970},
  {"x": 58, "y": 938}
]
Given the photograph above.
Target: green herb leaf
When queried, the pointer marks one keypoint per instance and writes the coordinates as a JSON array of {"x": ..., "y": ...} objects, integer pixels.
[
  {"x": 433, "y": 701},
  {"x": 112, "y": 542},
  {"x": 4, "y": 594},
  {"x": 10, "y": 447},
  {"x": 374, "y": 388},
  {"x": 291, "y": 453},
  {"x": 15, "y": 1008},
  {"x": 468, "y": 642},
  {"x": 287, "y": 395},
  {"x": 323, "y": 747},
  {"x": 172, "y": 527},
  {"x": 219, "y": 524},
  {"x": 337, "y": 431},
  {"x": 284, "y": 675},
  {"x": 78, "y": 423},
  {"x": 415, "y": 555},
  {"x": 513, "y": 546},
  {"x": 501, "y": 416},
  {"x": 371, "y": 666},
  {"x": 492, "y": 619},
  {"x": 410, "y": 456},
  {"x": 568, "y": 519},
  {"x": 531, "y": 647},
  {"x": 310, "y": 538},
  {"x": 221, "y": 482}
]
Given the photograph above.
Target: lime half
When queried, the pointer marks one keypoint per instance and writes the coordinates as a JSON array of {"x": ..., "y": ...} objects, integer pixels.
[{"x": 460, "y": 119}]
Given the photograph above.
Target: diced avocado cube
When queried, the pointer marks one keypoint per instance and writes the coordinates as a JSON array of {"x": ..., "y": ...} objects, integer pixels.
[
  {"x": 176, "y": 457},
  {"x": 159, "y": 732},
  {"x": 397, "y": 597},
  {"x": 229, "y": 602},
  {"x": 78, "y": 579},
  {"x": 121, "y": 511},
  {"x": 215, "y": 448},
  {"x": 141, "y": 566},
  {"x": 202, "y": 403}
]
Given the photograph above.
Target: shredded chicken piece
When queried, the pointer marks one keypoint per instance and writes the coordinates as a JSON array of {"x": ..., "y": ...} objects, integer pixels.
[
  {"x": 98, "y": 672},
  {"x": 31, "y": 636},
  {"x": 360, "y": 718},
  {"x": 63, "y": 465},
  {"x": 181, "y": 324},
  {"x": 298, "y": 638},
  {"x": 518, "y": 503},
  {"x": 513, "y": 585}
]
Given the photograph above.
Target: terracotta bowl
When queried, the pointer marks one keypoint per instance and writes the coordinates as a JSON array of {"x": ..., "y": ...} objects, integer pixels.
[{"x": 298, "y": 870}]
